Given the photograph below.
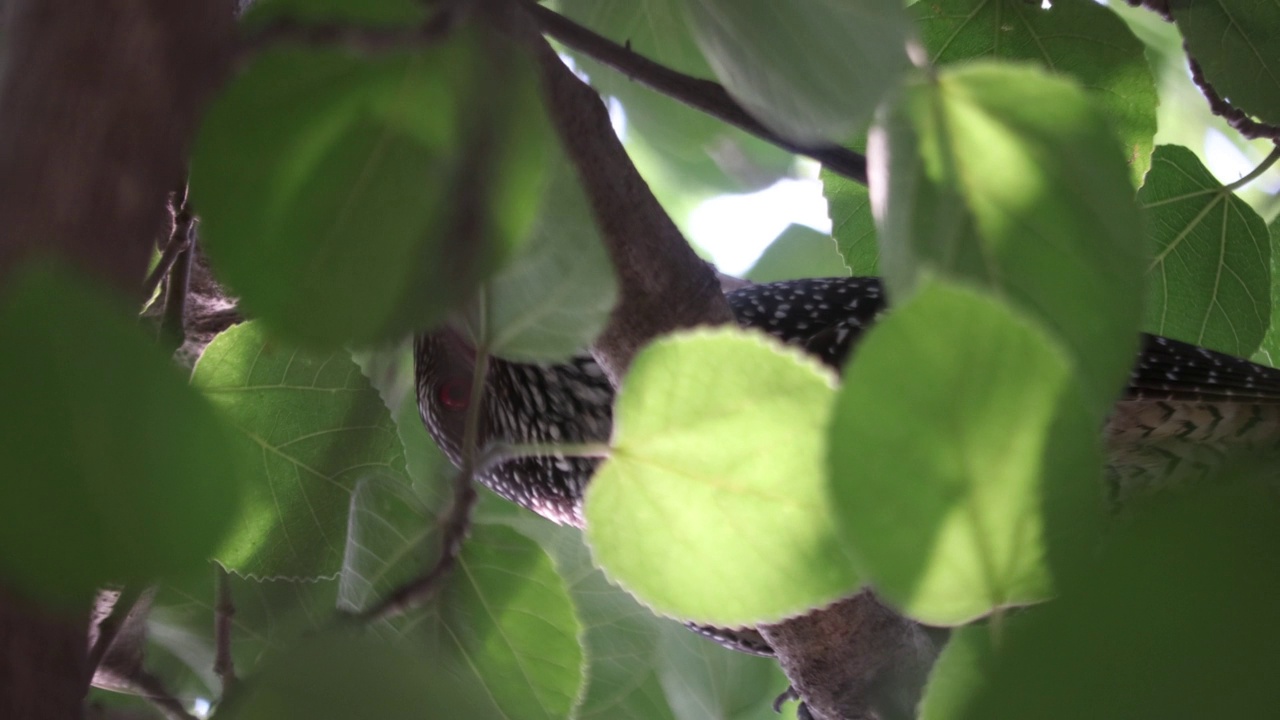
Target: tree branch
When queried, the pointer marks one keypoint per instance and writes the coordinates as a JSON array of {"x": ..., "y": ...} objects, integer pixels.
[
  {"x": 855, "y": 660},
  {"x": 705, "y": 95},
  {"x": 95, "y": 129},
  {"x": 663, "y": 285},
  {"x": 361, "y": 40}
]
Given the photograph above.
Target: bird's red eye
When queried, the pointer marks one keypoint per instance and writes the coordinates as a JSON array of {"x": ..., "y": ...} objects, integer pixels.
[{"x": 453, "y": 394}]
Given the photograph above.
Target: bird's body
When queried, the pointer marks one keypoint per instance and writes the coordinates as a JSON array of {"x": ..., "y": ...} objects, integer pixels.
[{"x": 1184, "y": 410}]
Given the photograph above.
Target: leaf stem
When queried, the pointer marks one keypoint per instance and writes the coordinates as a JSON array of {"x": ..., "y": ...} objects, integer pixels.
[
  {"x": 1258, "y": 171},
  {"x": 360, "y": 40}
]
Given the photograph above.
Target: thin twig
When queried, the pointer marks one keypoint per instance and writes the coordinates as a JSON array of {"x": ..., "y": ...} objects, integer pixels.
[
  {"x": 149, "y": 687},
  {"x": 457, "y": 523},
  {"x": 705, "y": 95},
  {"x": 1234, "y": 116},
  {"x": 181, "y": 217},
  {"x": 224, "y": 612},
  {"x": 360, "y": 40},
  {"x": 109, "y": 628},
  {"x": 173, "y": 323}
]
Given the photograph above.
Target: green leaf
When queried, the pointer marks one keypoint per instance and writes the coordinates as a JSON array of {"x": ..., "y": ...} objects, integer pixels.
[
  {"x": 852, "y": 223},
  {"x": 960, "y": 451},
  {"x": 556, "y": 295},
  {"x": 1078, "y": 38},
  {"x": 705, "y": 680},
  {"x": 711, "y": 507},
  {"x": 429, "y": 470},
  {"x": 813, "y": 71},
  {"x": 1176, "y": 618},
  {"x": 508, "y": 613},
  {"x": 799, "y": 252},
  {"x": 1011, "y": 179},
  {"x": 685, "y": 154},
  {"x": 269, "y": 616},
  {"x": 392, "y": 538},
  {"x": 1269, "y": 353},
  {"x": 348, "y": 199},
  {"x": 638, "y": 662},
  {"x": 620, "y": 637},
  {"x": 115, "y": 471},
  {"x": 366, "y": 12},
  {"x": 959, "y": 673},
  {"x": 348, "y": 677},
  {"x": 1235, "y": 44},
  {"x": 1209, "y": 282},
  {"x": 316, "y": 427}
]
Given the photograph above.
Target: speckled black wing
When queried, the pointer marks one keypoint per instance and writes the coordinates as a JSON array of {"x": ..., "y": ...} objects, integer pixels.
[
  {"x": 826, "y": 317},
  {"x": 1172, "y": 370},
  {"x": 823, "y": 316}
]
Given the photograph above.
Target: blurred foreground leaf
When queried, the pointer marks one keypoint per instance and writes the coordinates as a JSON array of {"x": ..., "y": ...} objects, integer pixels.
[{"x": 115, "y": 471}]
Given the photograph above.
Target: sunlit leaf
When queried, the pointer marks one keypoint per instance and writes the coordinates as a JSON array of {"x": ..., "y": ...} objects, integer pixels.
[
  {"x": 316, "y": 427},
  {"x": 1078, "y": 38},
  {"x": 1011, "y": 179},
  {"x": 960, "y": 451},
  {"x": 115, "y": 471},
  {"x": 1235, "y": 44},
  {"x": 812, "y": 70},
  {"x": 852, "y": 224},
  {"x": 1209, "y": 282},
  {"x": 349, "y": 199},
  {"x": 799, "y": 252},
  {"x": 712, "y": 505}
]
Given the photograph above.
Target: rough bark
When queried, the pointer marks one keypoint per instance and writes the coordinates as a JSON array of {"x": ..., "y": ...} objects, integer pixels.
[
  {"x": 98, "y": 105},
  {"x": 43, "y": 661},
  {"x": 855, "y": 660},
  {"x": 663, "y": 285}
]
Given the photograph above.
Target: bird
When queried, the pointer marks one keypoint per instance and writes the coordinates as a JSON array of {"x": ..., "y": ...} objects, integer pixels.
[{"x": 1183, "y": 411}]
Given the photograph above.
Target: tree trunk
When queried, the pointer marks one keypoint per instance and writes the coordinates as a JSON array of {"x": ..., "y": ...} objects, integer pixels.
[{"x": 99, "y": 101}]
